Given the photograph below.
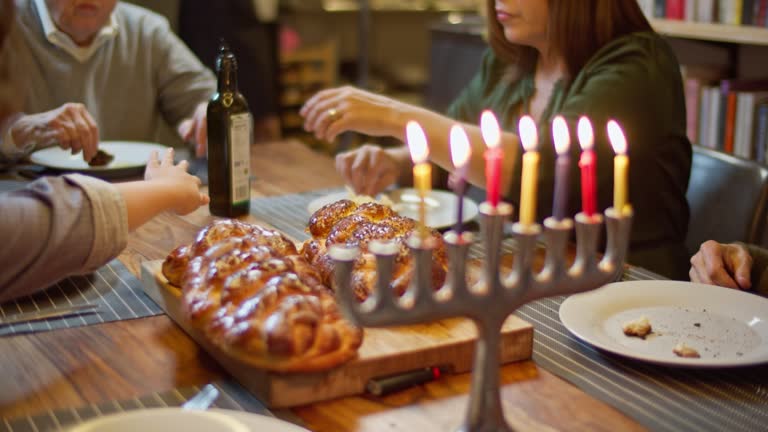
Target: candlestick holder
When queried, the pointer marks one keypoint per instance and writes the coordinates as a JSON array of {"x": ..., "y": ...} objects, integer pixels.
[{"x": 492, "y": 299}]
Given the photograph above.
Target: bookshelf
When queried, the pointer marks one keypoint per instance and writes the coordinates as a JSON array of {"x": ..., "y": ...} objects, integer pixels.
[{"x": 738, "y": 34}]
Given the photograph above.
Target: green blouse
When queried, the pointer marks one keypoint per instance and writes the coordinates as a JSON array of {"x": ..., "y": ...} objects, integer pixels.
[{"x": 635, "y": 80}]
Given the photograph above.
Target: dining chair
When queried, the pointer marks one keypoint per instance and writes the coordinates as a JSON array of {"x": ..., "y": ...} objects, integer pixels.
[{"x": 728, "y": 199}]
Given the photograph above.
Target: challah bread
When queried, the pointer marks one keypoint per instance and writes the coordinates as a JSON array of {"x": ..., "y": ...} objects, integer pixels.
[
  {"x": 344, "y": 222},
  {"x": 256, "y": 299}
]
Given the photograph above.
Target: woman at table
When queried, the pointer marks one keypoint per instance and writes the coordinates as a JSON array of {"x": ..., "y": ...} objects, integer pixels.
[
  {"x": 598, "y": 58},
  {"x": 59, "y": 226},
  {"x": 733, "y": 265}
]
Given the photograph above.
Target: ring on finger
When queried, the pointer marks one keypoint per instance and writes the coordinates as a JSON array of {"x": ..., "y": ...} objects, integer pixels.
[{"x": 333, "y": 114}]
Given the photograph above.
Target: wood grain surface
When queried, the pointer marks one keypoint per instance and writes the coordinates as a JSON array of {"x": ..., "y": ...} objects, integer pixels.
[
  {"x": 126, "y": 359},
  {"x": 384, "y": 351}
]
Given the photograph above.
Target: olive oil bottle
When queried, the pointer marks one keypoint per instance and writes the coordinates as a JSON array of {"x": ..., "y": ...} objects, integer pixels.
[{"x": 230, "y": 132}]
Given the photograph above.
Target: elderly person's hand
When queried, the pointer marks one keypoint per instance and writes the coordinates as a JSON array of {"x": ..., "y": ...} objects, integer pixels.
[
  {"x": 184, "y": 188},
  {"x": 195, "y": 129},
  {"x": 331, "y": 112},
  {"x": 726, "y": 265},
  {"x": 69, "y": 126}
]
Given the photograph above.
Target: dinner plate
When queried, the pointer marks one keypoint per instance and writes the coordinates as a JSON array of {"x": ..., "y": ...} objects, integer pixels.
[
  {"x": 441, "y": 205},
  {"x": 172, "y": 419},
  {"x": 130, "y": 157},
  {"x": 727, "y": 327}
]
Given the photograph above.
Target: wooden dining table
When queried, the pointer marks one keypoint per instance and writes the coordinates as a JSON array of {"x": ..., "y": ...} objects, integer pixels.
[{"x": 126, "y": 359}]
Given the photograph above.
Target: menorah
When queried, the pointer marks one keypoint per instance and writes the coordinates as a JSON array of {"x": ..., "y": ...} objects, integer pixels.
[{"x": 492, "y": 299}]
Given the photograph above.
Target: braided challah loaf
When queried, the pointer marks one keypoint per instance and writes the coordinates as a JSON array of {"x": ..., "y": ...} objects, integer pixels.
[
  {"x": 344, "y": 222},
  {"x": 254, "y": 297}
]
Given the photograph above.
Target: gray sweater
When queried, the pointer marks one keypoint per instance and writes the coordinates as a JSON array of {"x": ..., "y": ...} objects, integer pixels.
[
  {"x": 56, "y": 227},
  {"x": 130, "y": 85}
]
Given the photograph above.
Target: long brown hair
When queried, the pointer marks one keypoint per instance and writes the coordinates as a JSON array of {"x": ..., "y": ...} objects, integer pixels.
[{"x": 577, "y": 29}]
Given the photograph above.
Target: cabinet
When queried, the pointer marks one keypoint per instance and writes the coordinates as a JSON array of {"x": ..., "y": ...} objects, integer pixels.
[{"x": 303, "y": 72}]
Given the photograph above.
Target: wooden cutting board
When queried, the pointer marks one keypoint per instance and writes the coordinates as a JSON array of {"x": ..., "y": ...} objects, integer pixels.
[{"x": 384, "y": 351}]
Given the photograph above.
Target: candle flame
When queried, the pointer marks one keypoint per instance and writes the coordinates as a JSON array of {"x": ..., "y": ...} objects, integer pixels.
[
  {"x": 490, "y": 129},
  {"x": 616, "y": 135},
  {"x": 460, "y": 150},
  {"x": 561, "y": 135},
  {"x": 528, "y": 134},
  {"x": 586, "y": 135},
  {"x": 417, "y": 142}
]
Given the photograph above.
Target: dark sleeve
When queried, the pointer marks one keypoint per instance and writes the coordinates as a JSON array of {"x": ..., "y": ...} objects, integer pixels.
[
  {"x": 636, "y": 81},
  {"x": 470, "y": 103},
  {"x": 254, "y": 43},
  {"x": 759, "y": 269}
]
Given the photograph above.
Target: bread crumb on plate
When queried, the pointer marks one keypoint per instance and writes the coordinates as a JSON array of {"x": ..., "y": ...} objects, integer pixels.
[
  {"x": 640, "y": 327},
  {"x": 683, "y": 350}
]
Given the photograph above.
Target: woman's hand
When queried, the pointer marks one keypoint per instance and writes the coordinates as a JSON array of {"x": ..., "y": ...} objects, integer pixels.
[
  {"x": 333, "y": 111},
  {"x": 371, "y": 169},
  {"x": 184, "y": 188},
  {"x": 69, "y": 126},
  {"x": 726, "y": 265}
]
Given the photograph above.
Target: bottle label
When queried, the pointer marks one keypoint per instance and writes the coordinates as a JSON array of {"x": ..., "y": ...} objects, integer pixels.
[{"x": 240, "y": 160}]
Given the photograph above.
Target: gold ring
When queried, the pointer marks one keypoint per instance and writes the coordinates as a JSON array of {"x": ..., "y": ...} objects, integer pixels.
[{"x": 332, "y": 113}]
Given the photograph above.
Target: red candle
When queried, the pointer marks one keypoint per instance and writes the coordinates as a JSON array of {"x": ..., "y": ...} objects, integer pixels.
[
  {"x": 587, "y": 163},
  {"x": 493, "y": 156}
]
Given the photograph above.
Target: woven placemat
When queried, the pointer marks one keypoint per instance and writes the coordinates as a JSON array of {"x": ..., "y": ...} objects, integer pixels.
[{"x": 116, "y": 291}]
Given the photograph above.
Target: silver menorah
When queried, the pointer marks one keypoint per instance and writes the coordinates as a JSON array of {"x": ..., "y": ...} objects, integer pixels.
[{"x": 492, "y": 299}]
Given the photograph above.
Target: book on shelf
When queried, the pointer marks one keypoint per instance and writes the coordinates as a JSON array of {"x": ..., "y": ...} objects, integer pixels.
[
  {"x": 675, "y": 9},
  {"x": 731, "y": 116},
  {"x": 705, "y": 11},
  {"x": 729, "y": 12}
]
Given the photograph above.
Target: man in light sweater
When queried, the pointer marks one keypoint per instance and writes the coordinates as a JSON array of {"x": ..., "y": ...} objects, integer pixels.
[
  {"x": 59, "y": 226},
  {"x": 100, "y": 69}
]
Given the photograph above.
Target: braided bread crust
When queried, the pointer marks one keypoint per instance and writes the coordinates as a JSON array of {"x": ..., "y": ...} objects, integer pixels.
[
  {"x": 256, "y": 299},
  {"x": 344, "y": 222}
]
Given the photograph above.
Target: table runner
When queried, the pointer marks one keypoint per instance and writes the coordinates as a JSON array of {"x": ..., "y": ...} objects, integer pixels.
[
  {"x": 660, "y": 398},
  {"x": 113, "y": 287},
  {"x": 288, "y": 213},
  {"x": 231, "y": 396}
]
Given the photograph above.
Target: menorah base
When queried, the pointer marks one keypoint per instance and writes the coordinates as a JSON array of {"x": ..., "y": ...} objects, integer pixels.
[
  {"x": 502, "y": 292},
  {"x": 487, "y": 427}
]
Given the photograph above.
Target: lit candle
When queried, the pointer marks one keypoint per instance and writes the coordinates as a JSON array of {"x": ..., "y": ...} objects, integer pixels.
[
  {"x": 493, "y": 156},
  {"x": 562, "y": 167},
  {"x": 620, "y": 166},
  {"x": 422, "y": 170},
  {"x": 530, "y": 139},
  {"x": 460, "y": 152},
  {"x": 587, "y": 163}
]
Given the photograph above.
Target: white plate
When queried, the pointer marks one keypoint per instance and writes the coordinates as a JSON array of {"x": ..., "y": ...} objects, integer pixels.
[
  {"x": 173, "y": 419},
  {"x": 129, "y": 155},
  {"x": 727, "y": 327},
  {"x": 441, "y": 205}
]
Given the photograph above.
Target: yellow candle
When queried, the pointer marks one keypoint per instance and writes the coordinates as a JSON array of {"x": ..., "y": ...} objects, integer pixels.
[
  {"x": 529, "y": 137},
  {"x": 422, "y": 170},
  {"x": 620, "y": 167}
]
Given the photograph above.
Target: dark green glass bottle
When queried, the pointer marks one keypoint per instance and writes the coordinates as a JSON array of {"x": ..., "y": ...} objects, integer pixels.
[{"x": 229, "y": 142}]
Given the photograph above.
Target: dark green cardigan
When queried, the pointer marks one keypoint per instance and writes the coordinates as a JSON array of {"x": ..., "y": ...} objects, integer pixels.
[{"x": 635, "y": 80}]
